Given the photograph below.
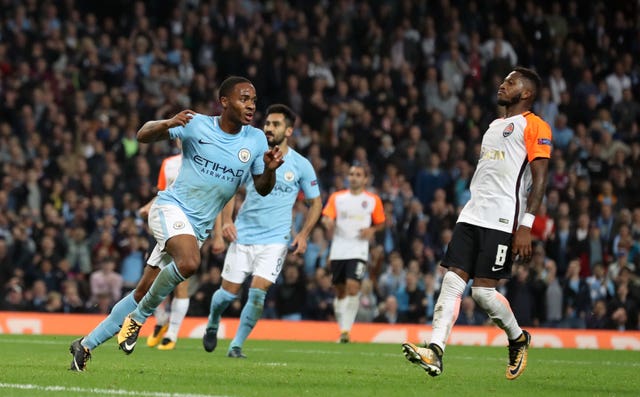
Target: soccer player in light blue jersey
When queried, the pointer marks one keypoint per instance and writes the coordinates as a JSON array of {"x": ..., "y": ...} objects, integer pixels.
[
  {"x": 219, "y": 155},
  {"x": 261, "y": 234}
]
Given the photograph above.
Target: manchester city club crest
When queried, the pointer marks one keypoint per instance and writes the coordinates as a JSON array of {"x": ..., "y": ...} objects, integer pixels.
[
  {"x": 244, "y": 155},
  {"x": 288, "y": 176},
  {"x": 508, "y": 130}
]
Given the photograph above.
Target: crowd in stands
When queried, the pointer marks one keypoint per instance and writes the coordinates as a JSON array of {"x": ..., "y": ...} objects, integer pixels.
[{"x": 406, "y": 88}]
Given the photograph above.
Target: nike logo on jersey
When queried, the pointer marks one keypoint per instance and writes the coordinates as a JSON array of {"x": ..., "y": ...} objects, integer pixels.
[
  {"x": 496, "y": 268},
  {"x": 200, "y": 141}
]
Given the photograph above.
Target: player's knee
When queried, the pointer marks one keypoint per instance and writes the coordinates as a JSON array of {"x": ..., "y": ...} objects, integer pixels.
[
  {"x": 352, "y": 287},
  {"x": 182, "y": 290},
  {"x": 188, "y": 265},
  {"x": 483, "y": 295}
]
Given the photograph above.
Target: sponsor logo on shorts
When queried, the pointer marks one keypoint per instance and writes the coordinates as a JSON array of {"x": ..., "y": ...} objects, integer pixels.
[{"x": 178, "y": 225}]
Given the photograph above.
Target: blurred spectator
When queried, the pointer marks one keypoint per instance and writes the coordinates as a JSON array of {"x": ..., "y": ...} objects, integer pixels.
[
  {"x": 13, "y": 298},
  {"x": 576, "y": 297},
  {"x": 543, "y": 226},
  {"x": 600, "y": 285},
  {"x": 410, "y": 299},
  {"x": 520, "y": 294},
  {"x": 623, "y": 309},
  {"x": 37, "y": 296},
  {"x": 320, "y": 297},
  {"x": 78, "y": 250},
  {"x": 75, "y": 88},
  {"x": 598, "y": 319},
  {"x": 388, "y": 312},
  {"x": 317, "y": 251},
  {"x": 368, "y": 308},
  {"x": 53, "y": 303},
  {"x": 617, "y": 81},
  {"x": 553, "y": 297},
  {"x": 200, "y": 302},
  {"x": 133, "y": 262},
  {"x": 431, "y": 293},
  {"x": 394, "y": 277},
  {"x": 105, "y": 281},
  {"x": 290, "y": 294},
  {"x": 72, "y": 300}
]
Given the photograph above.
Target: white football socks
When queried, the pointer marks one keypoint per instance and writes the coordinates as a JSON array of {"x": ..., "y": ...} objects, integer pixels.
[
  {"x": 498, "y": 309},
  {"x": 447, "y": 308},
  {"x": 179, "y": 308}
]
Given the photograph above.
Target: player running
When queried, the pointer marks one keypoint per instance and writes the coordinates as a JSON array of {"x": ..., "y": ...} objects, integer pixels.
[{"x": 261, "y": 234}]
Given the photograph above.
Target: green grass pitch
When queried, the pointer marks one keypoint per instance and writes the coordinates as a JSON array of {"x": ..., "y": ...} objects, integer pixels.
[{"x": 38, "y": 366}]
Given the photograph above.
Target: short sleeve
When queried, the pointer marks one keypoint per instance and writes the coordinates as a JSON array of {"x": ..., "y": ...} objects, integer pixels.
[
  {"x": 329, "y": 209},
  {"x": 378, "y": 216},
  {"x": 537, "y": 138},
  {"x": 309, "y": 180}
]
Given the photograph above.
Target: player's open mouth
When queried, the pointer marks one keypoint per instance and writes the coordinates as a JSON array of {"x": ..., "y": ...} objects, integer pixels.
[{"x": 248, "y": 116}]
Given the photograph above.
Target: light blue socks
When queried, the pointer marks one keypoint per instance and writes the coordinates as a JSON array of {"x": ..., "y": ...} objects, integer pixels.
[
  {"x": 110, "y": 325},
  {"x": 167, "y": 280},
  {"x": 250, "y": 315},
  {"x": 219, "y": 303}
]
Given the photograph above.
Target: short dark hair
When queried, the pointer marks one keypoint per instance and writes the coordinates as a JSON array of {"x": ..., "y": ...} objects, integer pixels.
[
  {"x": 363, "y": 166},
  {"x": 229, "y": 84},
  {"x": 533, "y": 78},
  {"x": 289, "y": 115}
]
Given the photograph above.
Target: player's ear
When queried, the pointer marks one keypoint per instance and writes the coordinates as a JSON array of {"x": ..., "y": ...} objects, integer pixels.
[{"x": 224, "y": 101}]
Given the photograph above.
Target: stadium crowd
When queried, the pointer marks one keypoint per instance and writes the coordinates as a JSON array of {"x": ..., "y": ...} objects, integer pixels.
[{"x": 404, "y": 87}]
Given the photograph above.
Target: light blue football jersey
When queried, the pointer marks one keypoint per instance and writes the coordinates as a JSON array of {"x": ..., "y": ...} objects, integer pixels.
[
  {"x": 214, "y": 165},
  {"x": 267, "y": 219}
]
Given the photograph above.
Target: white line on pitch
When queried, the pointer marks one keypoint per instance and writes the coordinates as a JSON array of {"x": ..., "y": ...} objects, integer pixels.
[{"x": 112, "y": 392}]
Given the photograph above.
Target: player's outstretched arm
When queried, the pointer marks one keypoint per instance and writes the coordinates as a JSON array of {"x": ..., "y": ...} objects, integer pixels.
[
  {"x": 272, "y": 160},
  {"x": 522, "y": 238},
  {"x": 313, "y": 214},
  {"x": 158, "y": 130}
]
